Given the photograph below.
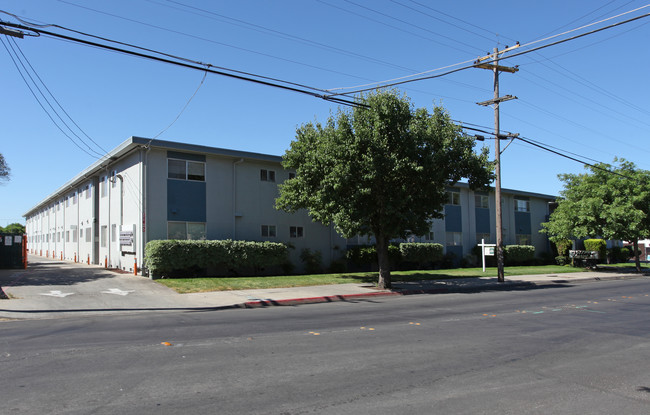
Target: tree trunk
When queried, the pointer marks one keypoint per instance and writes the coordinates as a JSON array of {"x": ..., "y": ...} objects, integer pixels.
[
  {"x": 637, "y": 261},
  {"x": 383, "y": 262}
]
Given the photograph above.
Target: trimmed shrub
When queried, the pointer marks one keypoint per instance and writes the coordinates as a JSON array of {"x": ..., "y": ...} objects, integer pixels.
[
  {"x": 167, "y": 257},
  {"x": 562, "y": 260},
  {"x": 563, "y": 246},
  {"x": 421, "y": 253},
  {"x": 519, "y": 254},
  {"x": 361, "y": 255},
  {"x": 599, "y": 245}
]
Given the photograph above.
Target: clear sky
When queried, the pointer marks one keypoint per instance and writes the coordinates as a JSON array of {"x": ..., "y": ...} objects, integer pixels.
[{"x": 588, "y": 96}]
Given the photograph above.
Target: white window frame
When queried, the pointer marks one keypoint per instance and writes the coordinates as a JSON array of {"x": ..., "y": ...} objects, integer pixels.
[
  {"x": 186, "y": 173},
  {"x": 482, "y": 201},
  {"x": 454, "y": 239},
  {"x": 267, "y": 175},
  {"x": 268, "y": 231},
  {"x": 522, "y": 205},
  {"x": 296, "y": 232},
  {"x": 453, "y": 198}
]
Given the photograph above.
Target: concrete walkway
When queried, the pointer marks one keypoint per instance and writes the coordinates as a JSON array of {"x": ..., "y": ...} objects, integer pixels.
[{"x": 54, "y": 289}]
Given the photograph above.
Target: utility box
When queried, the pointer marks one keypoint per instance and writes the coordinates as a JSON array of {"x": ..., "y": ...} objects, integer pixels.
[{"x": 13, "y": 251}]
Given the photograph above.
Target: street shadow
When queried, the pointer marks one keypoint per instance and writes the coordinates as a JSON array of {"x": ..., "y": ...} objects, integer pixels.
[{"x": 472, "y": 286}]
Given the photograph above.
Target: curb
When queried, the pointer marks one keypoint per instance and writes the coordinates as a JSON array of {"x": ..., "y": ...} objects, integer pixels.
[
  {"x": 507, "y": 285},
  {"x": 316, "y": 300}
]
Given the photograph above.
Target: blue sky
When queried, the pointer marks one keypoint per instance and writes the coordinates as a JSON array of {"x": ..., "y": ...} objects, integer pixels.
[{"x": 587, "y": 96}]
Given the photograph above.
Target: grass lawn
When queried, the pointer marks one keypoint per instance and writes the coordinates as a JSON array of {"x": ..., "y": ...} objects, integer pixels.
[{"x": 194, "y": 285}]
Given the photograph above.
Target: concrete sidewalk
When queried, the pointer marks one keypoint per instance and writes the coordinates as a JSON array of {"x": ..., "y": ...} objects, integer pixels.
[{"x": 54, "y": 289}]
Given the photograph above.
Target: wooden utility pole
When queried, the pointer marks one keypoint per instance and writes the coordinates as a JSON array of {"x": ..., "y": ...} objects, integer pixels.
[{"x": 496, "y": 68}]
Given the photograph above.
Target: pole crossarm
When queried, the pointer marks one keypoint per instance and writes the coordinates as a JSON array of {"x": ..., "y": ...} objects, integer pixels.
[
  {"x": 496, "y": 100},
  {"x": 500, "y": 68}
]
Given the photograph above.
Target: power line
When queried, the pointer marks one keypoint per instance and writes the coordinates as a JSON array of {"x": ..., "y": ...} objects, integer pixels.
[
  {"x": 289, "y": 86},
  {"x": 513, "y": 55},
  {"x": 18, "y": 63}
]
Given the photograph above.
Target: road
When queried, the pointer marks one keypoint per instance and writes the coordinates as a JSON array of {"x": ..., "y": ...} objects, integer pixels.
[{"x": 567, "y": 350}]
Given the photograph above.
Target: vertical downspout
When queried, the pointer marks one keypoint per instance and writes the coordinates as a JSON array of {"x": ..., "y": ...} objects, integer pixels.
[
  {"x": 234, "y": 197},
  {"x": 109, "y": 228}
]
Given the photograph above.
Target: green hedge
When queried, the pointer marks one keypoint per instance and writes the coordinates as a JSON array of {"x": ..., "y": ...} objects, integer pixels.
[
  {"x": 164, "y": 257},
  {"x": 518, "y": 254},
  {"x": 367, "y": 254},
  {"x": 420, "y": 252}
]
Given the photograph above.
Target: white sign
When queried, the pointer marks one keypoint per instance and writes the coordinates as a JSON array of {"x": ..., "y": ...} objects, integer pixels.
[
  {"x": 126, "y": 238},
  {"x": 488, "y": 251}
]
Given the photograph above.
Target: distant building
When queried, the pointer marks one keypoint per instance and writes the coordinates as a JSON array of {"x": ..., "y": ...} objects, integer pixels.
[{"x": 146, "y": 190}]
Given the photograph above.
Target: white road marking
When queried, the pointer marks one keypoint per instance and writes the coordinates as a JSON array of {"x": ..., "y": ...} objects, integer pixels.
[
  {"x": 57, "y": 293},
  {"x": 117, "y": 291}
]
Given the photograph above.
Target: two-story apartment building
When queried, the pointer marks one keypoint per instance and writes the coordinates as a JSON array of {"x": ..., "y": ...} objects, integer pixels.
[{"x": 145, "y": 190}]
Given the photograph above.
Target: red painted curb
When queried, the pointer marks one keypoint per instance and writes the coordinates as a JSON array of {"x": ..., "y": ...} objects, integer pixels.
[{"x": 315, "y": 300}]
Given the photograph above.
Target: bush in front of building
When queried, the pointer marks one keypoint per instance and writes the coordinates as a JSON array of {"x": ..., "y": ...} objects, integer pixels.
[
  {"x": 519, "y": 254},
  {"x": 422, "y": 254},
  {"x": 313, "y": 261},
  {"x": 364, "y": 257},
  {"x": 598, "y": 245},
  {"x": 617, "y": 254},
  {"x": 175, "y": 257}
]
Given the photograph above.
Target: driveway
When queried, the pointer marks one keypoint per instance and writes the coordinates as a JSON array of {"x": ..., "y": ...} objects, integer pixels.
[{"x": 52, "y": 288}]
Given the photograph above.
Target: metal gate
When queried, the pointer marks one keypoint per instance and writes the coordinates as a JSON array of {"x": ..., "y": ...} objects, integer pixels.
[{"x": 13, "y": 251}]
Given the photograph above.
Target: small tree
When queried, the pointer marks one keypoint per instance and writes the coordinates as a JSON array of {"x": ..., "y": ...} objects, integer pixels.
[
  {"x": 611, "y": 202},
  {"x": 381, "y": 169}
]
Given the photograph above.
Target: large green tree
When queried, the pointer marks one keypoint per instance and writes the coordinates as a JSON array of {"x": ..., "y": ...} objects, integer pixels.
[
  {"x": 380, "y": 169},
  {"x": 13, "y": 228},
  {"x": 610, "y": 201}
]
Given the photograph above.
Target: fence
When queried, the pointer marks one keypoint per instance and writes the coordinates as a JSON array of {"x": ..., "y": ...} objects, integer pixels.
[{"x": 13, "y": 251}]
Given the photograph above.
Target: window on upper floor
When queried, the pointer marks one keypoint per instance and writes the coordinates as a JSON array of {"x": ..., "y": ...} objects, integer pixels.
[
  {"x": 186, "y": 170},
  {"x": 267, "y": 175},
  {"x": 522, "y": 205},
  {"x": 453, "y": 198},
  {"x": 481, "y": 201}
]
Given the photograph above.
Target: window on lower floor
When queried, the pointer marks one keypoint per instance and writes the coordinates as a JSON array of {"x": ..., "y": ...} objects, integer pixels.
[
  {"x": 268, "y": 231},
  {"x": 523, "y": 239},
  {"x": 103, "y": 236},
  {"x": 454, "y": 238},
  {"x": 483, "y": 236},
  {"x": 89, "y": 235},
  {"x": 296, "y": 231},
  {"x": 429, "y": 236},
  {"x": 186, "y": 230}
]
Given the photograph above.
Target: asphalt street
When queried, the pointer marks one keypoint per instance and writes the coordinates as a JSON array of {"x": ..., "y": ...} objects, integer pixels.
[{"x": 571, "y": 349}]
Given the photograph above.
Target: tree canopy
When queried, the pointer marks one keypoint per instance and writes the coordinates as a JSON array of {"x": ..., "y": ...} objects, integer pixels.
[
  {"x": 13, "y": 228},
  {"x": 380, "y": 169},
  {"x": 612, "y": 202},
  {"x": 5, "y": 171}
]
